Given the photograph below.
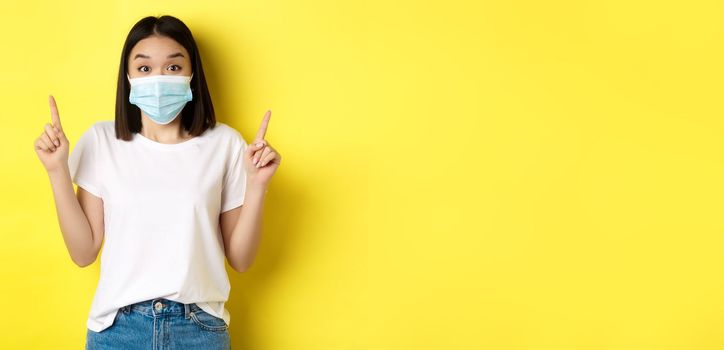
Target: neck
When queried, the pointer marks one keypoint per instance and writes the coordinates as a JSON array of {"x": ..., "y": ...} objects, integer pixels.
[{"x": 168, "y": 133}]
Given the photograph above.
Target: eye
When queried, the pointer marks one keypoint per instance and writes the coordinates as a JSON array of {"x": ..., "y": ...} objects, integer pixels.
[
  {"x": 144, "y": 69},
  {"x": 175, "y": 67}
]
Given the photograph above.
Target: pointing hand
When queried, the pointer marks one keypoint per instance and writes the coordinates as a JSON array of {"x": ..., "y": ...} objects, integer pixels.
[
  {"x": 261, "y": 160},
  {"x": 52, "y": 145}
]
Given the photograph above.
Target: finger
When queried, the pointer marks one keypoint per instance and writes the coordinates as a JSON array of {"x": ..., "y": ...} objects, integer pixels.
[
  {"x": 258, "y": 154},
  {"x": 268, "y": 158},
  {"x": 49, "y": 130},
  {"x": 47, "y": 141},
  {"x": 263, "y": 154},
  {"x": 54, "y": 116},
  {"x": 251, "y": 149},
  {"x": 39, "y": 144},
  {"x": 257, "y": 149},
  {"x": 262, "y": 128},
  {"x": 61, "y": 135}
]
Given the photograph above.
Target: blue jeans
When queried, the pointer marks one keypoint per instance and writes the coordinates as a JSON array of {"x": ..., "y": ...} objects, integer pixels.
[{"x": 160, "y": 324}]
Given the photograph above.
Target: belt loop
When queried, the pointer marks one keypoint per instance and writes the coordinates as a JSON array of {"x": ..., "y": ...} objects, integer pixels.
[{"x": 186, "y": 310}]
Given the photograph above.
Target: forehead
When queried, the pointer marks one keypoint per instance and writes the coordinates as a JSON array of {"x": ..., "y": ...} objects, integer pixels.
[{"x": 158, "y": 47}]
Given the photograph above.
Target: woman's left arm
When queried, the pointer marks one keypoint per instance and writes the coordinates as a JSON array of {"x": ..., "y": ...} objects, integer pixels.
[{"x": 241, "y": 227}]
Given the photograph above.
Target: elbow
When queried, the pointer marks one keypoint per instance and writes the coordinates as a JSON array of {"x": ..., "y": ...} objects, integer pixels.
[
  {"x": 83, "y": 262},
  {"x": 238, "y": 262},
  {"x": 241, "y": 267}
]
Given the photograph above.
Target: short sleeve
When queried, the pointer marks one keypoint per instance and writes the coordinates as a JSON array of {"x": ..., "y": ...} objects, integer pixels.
[
  {"x": 83, "y": 162},
  {"x": 234, "y": 183}
]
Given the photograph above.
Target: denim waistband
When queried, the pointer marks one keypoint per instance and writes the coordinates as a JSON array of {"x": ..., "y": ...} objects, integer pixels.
[{"x": 160, "y": 307}]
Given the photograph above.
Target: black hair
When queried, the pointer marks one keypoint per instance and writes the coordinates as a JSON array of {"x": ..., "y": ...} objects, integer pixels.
[{"x": 198, "y": 114}]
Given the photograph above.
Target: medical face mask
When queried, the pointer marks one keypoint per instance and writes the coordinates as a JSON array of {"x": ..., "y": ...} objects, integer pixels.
[{"x": 161, "y": 97}]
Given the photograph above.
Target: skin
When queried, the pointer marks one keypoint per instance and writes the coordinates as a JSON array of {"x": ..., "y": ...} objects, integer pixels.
[{"x": 80, "y": 214}]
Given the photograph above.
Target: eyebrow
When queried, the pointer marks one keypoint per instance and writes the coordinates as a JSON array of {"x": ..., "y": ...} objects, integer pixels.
[{"x": 140, "y": 55}]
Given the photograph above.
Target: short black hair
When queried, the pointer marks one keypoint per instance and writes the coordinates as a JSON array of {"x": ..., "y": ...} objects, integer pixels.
[{"x": 198, "y": 114}]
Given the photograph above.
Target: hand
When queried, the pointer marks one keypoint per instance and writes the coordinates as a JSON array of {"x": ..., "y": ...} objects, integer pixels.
[
  {"x": 52, "y": 145},
  {"x": 260, "y": 159}
]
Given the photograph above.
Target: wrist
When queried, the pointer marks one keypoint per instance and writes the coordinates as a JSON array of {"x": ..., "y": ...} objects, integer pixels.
[
  {"x": 254, "y": 185},
  {"x": 60, "y": 171}
]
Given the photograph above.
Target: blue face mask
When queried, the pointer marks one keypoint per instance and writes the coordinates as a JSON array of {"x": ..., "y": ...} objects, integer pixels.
[{"x": 161, "y": 97}]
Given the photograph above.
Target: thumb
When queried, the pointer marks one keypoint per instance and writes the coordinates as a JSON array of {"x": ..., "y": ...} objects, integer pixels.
[
  {"x": 254, "y": 147},
  {"x": 61, "y": 134}
]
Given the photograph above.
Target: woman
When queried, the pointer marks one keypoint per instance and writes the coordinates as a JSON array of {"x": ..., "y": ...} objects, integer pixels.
[{"x": 162, "y": 188}]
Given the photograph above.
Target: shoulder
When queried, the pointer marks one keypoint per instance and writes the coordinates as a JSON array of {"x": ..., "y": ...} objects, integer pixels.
[
  {"x": 103, "y": 129},
  {"x": 94, "y": 132},
  {"x": 227, "y": 133}
]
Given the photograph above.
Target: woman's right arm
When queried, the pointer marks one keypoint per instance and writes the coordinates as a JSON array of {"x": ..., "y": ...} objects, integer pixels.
[{"x": 80, "y": 215}]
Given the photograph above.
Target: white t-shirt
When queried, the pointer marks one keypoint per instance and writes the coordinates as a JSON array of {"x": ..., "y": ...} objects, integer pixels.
[{"x": 161, "y": 206}]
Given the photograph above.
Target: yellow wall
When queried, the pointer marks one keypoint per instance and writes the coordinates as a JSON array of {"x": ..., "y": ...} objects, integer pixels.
[{"x": 456, "y": 175}]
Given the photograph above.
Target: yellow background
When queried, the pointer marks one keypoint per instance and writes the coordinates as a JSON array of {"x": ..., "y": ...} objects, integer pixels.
[{"x": 455, "y": 175}]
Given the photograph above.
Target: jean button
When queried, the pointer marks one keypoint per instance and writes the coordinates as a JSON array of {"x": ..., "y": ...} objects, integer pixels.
[{"x": 158, "y": 305}]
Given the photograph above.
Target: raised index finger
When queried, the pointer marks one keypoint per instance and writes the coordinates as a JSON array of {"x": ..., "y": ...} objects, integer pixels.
[
  {"x": 262, "y": 129},
  {"x": 54, "y": 113}
]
